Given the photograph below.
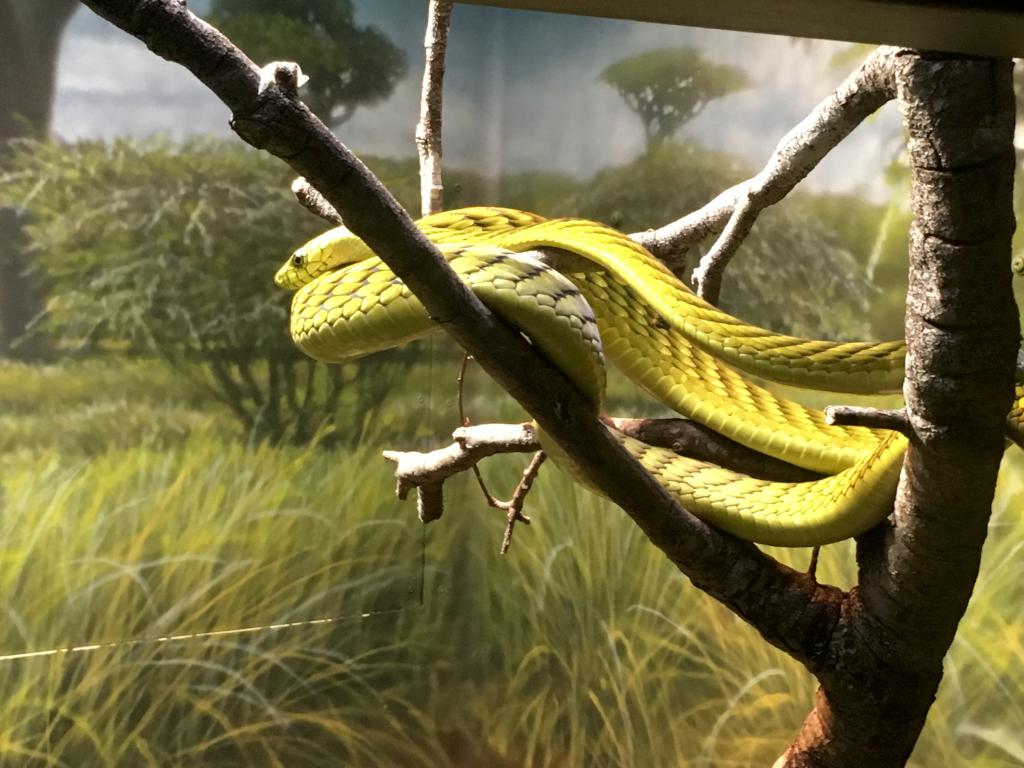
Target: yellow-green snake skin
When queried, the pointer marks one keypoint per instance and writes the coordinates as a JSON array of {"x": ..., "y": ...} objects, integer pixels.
[{"x": 680, "y": 349}]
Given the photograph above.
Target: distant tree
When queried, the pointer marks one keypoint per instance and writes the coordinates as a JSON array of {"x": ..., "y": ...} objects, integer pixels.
[
  {"x": 667, "y": 88},
  {"x": 348, "y": 65},
  {"x": 30, "y": 32}
]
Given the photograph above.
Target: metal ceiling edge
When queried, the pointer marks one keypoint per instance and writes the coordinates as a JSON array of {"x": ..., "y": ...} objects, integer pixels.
[{"x": 989, "y": 29}]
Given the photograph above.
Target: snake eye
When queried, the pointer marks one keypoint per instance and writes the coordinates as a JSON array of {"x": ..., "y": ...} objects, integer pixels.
[{"x": 297, "y": 260}]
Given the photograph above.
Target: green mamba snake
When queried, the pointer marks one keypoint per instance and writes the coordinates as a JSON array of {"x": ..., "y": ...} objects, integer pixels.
[{"x": 610, "y": 298}]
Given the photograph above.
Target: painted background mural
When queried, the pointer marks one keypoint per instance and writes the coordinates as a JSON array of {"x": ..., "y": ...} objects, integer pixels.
[{"x": 203, "y": 561}]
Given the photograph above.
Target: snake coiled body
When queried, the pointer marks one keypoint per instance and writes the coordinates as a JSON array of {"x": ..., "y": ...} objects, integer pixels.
[{"x": 680, "y": 349}]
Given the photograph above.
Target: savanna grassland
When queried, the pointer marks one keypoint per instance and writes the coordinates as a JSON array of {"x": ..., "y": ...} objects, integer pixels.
[{"x": 134, "y": 508}]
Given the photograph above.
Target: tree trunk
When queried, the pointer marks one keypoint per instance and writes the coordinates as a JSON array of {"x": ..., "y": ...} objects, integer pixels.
[
  {"x": 918, "y": 571},
  {"x": 30, "y": 33}
]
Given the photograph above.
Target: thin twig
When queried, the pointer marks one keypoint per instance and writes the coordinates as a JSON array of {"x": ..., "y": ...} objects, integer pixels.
[
  {"x": 812, "y": 567},
  {"x": 796, "y": 155},
  {"x": 708, "y": 274},
  {"x": 428, "y": 130},
  {"x": 314, "y": 201},
  {"x": 464, "y": 422},
  {"x": 514, "y": 506},
  {"x": 460, "y": 382},
  {"x": 874, "y": 418}
]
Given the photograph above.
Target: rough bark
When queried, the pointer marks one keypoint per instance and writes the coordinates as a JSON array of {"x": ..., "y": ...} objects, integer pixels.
[
  {"x": 917, "y": 573},
  {"x": 30, "y": 33}
]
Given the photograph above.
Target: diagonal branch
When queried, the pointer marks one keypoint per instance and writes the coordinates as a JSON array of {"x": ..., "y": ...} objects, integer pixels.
[
  {"x": 513, "y": 508},
  {"x": 790, "y": 609},
  {"x": 734, "y": 211}
]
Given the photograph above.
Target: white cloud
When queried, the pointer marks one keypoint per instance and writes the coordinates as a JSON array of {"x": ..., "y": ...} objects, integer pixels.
[{"x": 112, "y": 86}]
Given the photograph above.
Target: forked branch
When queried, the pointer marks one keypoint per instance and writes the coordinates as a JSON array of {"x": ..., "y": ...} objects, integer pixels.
[
  {"x": 470, "y": 446},
  {"x": 734, "y": 211},
  {"x": 427, "y": 472}
]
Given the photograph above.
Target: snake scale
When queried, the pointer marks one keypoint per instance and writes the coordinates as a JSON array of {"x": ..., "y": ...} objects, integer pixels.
[{"x": 598, "y": 295}]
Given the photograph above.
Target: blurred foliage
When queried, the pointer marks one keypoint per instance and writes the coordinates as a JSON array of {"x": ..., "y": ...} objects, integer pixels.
[
  {"x": 161, "y": 243},
  {"x": 171, "y": 249},
  {"x": 667, "y": 88},
  {"x": 348, "y": 65},
  {"x": 849, "y": 58}
]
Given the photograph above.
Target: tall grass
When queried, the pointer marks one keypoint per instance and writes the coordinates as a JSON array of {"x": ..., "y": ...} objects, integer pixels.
[
  {"x": 209, "y": 536},
  {"x": 588, "y": 647},
  {"x": 583, "y": 646}
]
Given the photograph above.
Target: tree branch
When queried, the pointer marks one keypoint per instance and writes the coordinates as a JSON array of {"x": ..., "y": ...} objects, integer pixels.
[
  {"x": 428, "y": 131},
  {"x": 734, "y": 211},
  {"x": 790, "y": 609},
  {"x": 514, "y": 507},
  {"x": 428, "y": 471}
]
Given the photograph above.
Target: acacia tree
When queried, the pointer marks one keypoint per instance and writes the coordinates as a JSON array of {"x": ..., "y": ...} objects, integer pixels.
[
  {"x": 877, "y": 649},
  {"x": 669, "y": 87}
]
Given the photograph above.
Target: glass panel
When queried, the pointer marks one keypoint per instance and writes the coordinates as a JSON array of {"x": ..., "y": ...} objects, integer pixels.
[{"x": 155, "y": 487}]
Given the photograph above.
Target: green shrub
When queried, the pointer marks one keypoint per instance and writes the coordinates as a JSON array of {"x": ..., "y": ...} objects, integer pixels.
[{"x": 171, "y": 249}]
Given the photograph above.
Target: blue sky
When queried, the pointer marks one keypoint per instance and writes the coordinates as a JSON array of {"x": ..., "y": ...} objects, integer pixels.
[{"x": 522, "y": 93}]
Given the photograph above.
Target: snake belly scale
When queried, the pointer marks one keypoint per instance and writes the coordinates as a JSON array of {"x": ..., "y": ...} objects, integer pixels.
[{"x": 610, "y": 298}]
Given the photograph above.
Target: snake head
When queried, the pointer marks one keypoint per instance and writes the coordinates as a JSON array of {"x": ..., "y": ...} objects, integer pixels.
[{"x": 324, "y": 253}]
